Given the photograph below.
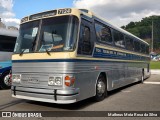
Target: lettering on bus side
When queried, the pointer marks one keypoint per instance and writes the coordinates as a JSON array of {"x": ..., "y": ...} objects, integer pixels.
[{"x": 99, "y": 52}]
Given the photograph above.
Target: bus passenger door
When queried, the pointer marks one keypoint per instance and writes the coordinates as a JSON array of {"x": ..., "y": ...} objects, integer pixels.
[
  {"x": 85, "y": 76},
  {"x": 85, "y": 44}
]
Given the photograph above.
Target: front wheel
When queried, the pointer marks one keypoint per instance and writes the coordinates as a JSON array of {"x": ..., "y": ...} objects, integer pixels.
[
  {"x": 5, "y": 80},
  {"x": 101, "y": 89}
]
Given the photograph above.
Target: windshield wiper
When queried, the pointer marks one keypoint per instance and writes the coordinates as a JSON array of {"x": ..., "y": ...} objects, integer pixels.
[
  {"x": 44, "y": 42},
  {"x": 21, "y": 53}
]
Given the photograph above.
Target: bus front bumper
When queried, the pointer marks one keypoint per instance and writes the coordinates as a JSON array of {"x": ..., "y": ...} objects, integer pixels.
[{"x": 46, "y": 95}]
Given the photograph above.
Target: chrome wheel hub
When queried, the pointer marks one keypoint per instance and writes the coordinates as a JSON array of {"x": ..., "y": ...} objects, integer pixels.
[
  {"x": 100, "y": 87},
  {"x": 7, "y": 80}
]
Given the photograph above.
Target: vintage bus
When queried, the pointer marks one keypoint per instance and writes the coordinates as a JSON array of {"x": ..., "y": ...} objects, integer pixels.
[
  {"x": 67, "y": 55},
  {"x": 7, "y": 42}
]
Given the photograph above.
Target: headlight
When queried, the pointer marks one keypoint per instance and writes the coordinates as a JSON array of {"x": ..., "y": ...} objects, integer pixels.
[
  {"x": 16, "y": 78},
  {"x": 55, "y": 81}
]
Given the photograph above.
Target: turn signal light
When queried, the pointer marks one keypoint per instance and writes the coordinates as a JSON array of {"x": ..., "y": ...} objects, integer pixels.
[{"x": 69, "y": 81}]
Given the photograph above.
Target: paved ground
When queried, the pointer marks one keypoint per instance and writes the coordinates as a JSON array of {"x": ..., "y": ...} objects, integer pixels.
[
  {"x": 155, "y": 72},
  {"x": 136, "y": 97}
]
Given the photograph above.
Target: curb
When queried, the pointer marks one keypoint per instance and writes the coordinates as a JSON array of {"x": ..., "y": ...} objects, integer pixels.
[{"x": 156, "y": 72}]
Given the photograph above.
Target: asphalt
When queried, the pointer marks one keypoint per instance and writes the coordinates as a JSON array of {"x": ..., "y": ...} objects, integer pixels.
[{"x": 156, "y": 72}]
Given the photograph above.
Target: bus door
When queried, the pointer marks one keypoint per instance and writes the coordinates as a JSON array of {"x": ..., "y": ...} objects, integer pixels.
[
  {"x": 85, "y": 49},
  {"x": 86, "y": 38}
]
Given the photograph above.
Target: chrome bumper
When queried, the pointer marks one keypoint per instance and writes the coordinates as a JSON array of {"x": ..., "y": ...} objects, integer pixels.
[{"x": 46, "y": 95}]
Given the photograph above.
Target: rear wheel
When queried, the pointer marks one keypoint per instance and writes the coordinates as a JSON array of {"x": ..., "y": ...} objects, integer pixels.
[
  {"x": 101, "y": 89},
  {"x": 5, "y": 80}
]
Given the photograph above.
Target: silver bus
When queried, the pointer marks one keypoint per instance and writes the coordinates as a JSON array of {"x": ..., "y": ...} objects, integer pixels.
[
  {"x": 67, "y": 55},
  {"x": 7, "y": 42}
]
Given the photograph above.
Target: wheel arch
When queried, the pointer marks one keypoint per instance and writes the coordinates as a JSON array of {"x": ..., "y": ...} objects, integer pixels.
[
  {"x": 2, "y": 84},
  {"x": 5, "y": 71},
  {"x": 106, "y": 80}
]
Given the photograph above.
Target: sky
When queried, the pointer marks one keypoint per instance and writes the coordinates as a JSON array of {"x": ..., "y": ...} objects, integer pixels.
[{"x": 119, "y": 12}]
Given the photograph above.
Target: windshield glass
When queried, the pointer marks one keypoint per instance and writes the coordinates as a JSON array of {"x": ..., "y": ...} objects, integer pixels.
[
  {"x": 56, "y": 34},
  {"x": 27, "y": 37}
]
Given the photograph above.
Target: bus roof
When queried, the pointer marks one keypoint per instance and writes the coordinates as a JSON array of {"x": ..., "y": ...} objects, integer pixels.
[
  {"x": 7, "y": 32},
  {"x": 111, "y": 25},
  {"x": 88, "y": 13}
]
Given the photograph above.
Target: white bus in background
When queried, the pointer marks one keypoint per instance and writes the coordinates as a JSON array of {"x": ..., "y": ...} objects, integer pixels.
[{"x": 7, "y": 43}]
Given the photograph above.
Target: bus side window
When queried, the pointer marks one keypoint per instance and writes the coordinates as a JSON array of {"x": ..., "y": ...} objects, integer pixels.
[
  {"x": 7, "y": 43},
  {"x": 129, "y": 43},
  {"x": 84, "y": 46}
]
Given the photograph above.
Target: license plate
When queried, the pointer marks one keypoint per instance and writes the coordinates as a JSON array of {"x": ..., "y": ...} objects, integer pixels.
[{"x": 33, "y": 80}]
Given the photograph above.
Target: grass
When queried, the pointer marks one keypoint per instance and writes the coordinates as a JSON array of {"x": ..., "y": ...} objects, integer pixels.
[{"x": 155, "y": 65}]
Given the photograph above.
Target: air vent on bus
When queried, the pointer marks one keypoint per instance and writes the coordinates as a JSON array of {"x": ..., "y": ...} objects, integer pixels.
[{"x": 84, "y": 10}]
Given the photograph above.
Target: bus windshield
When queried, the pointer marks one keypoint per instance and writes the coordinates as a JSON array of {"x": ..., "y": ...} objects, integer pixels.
[{"x": 56, "y": 34}]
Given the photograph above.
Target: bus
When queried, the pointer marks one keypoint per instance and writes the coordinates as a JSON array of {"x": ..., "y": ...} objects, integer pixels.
[
  {"x": 67, "y": 55},
  {"x": 7, "y": 42}
]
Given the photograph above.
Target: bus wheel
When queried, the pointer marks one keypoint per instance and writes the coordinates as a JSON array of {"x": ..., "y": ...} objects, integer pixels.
[
  {"x": 5, "y": 81},
  {"x": 101, "y": 89}
]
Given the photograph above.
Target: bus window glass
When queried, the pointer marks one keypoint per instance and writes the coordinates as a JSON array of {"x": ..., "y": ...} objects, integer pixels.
[
  {"x": 53, "y": 34},
  {"x": 121, "y": 40},
  {"x": 7, "y": 43},
  {"x": 129, "y": 43},
  {"x": 143, "y": 48},
  {"x": 147, "y": 49},
  {"x": 87, "y": 34},
  {"x": 27, "y": 37},
  {"x": 136, "y": 46},
  {"x": 118, "y": 39},
  {"x": 84, "y": 46},
  {"x": 58, "y": 34},
  {"x": 103, "y": 33}
]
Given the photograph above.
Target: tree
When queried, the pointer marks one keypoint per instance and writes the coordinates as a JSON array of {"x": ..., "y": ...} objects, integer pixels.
[{"x": 143, "y": 29}]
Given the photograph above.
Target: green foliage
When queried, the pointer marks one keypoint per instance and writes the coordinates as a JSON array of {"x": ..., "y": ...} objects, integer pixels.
[
  {"x": 131, "y": 25},
  {"x": 134, "y": 31},
  {"x": 143, "y": 29}
]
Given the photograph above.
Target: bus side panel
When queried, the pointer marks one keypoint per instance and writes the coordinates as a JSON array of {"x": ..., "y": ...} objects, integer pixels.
[
  {"x": 120, "y": 74},
  {"x": 86, "y": 81},
  {"x": 147, "y": 71}
]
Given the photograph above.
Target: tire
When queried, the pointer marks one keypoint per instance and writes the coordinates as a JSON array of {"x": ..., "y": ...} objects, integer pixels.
[
  {"x": 101, "y": 89},
  {"x": 5, "y": 80}
]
